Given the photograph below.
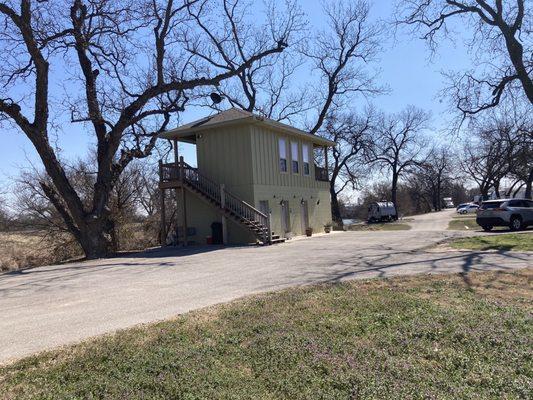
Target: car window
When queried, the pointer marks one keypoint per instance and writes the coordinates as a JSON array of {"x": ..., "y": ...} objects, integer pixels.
[
  {"x": 491, "y": 205},
  {"x": 515, "y": 203},
  {"x": 529, "y": 204}
]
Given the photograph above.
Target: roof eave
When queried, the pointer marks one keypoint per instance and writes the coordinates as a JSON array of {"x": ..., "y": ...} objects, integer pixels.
[{"x": 180, "y": 132}]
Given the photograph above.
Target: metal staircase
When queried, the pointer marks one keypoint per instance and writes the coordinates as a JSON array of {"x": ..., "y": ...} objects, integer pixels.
[{"x": 182, "y": 174}]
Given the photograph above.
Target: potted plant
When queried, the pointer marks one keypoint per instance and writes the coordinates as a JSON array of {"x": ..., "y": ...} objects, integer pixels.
[
  {"x": 309, "y": 231},
  {"x": 327, "y": 227}
]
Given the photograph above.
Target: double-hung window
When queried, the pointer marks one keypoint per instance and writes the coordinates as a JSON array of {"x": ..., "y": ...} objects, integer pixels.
[
  {"x": 294, "y": 158},
  {"x": 282, "y": 155},
  {"x": 305, "y": 158}
]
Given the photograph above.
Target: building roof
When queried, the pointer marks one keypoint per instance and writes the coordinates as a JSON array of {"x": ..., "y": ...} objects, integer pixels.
[{"x": 237, "y": 116}]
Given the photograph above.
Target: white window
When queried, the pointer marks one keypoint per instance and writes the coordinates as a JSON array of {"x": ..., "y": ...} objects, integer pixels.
[
  {"x": 294, "y": 157},
  {"x": 305, "y": 157},
  {"x": 282, "y": 155}
]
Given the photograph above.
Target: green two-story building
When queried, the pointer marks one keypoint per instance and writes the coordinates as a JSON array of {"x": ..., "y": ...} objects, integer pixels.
[{"x": 255, "y": 181}]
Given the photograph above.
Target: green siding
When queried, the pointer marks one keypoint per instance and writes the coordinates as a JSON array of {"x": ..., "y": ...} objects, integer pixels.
[
  {"x": 246, "y": 159},
  {"x": 224, "y": 155},
  {"x": 273, "y": 185}
]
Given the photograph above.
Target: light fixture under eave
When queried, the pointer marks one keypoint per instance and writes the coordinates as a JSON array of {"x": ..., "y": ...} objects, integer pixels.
[{"x": 215, "y": 98}]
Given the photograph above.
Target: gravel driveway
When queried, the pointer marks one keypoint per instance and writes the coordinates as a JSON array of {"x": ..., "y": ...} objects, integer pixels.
[{"x": 51, "y": 306}]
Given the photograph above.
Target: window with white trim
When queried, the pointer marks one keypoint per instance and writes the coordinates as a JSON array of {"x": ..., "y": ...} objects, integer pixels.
[
  {"x": 305, "y": 158},
  {"x": 295, "y": 159},
  {"x": 282, "y": 155}
]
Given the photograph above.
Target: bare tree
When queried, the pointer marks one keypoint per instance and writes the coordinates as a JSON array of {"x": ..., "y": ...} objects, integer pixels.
[
  {"x": 342, "y": 54},
  {"x": 135, "y": 64},
  {"x": 486, "y": 159},
  {"x": 501, "y": 40},
  {"x": 434, "y": 173},
  {"x": 266, "y": 86},
  {"x": 398, "y": 145},
  {"x": 352, "y": 133}
]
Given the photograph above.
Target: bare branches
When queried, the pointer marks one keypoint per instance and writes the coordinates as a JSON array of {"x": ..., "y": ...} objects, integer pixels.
[
  {"x": 351, "y": 37},
  {"x": 129, "y": 68},
  {"x": 353, "y": 135},
  {"x": 398, "y": 145},
  {"x": 264, "y": 87},
  {"x": 501, "y": 35}
]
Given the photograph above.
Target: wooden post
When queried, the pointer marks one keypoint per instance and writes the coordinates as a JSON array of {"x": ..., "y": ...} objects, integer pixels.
[
  {"x": 223, "y": 207},
  {"x": 163, "y": 238},
  {"x": 183, "y": 204},
  {"x": 326, "y": 160},
  {"x": 176, "y": 158},
  {"x": 269, "y": 228},
  {"x": 176, "y": 190},
  {"x": 181, "y": 172}
]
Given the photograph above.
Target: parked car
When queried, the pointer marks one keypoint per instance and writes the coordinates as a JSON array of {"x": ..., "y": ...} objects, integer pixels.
[
  {"x": 382, "y": 211},
  {"x": 514, "y": 213},
  {"x": 462, "y": 205},
  {"x": 470, "y": 208}
]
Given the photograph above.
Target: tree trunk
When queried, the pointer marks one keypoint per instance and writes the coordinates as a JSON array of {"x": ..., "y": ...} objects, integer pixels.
[
  {"x": 98, "y": 239},
  {"x": 335, "y": 209},
  {"x": 497, "y": 189},
  {"x": 516, "y": 53},
  {"x": 394, "y": 191},
  {"x": 529, "y": 184}
]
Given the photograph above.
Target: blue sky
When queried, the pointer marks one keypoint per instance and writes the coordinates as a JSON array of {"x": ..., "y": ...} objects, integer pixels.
[{"x": 413, "y": 79}]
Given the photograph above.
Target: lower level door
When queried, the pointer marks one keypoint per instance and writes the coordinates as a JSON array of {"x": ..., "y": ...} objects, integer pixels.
[
  {"x": 285, "y": 217},
  {"x": 304, "y": 211}
]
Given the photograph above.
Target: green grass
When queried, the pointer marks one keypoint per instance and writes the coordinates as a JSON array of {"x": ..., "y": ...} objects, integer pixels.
[
  {"x": 426, "y": 337},
  {"x": 385, "y": 226},
  {"x": 506, "y": 242}
]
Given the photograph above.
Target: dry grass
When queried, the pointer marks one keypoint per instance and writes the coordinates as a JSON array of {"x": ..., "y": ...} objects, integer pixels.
[
  {"x": 500, "y": 242},
  {"x": 26, "y": 249},
  {"x": 32, "y": 248}
]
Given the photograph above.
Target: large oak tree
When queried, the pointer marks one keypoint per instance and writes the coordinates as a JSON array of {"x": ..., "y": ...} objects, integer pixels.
[{"x": 122, "y": 69}]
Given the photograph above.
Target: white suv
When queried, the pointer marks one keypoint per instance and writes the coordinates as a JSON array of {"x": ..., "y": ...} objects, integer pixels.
[{"x": 514, "y": 213}]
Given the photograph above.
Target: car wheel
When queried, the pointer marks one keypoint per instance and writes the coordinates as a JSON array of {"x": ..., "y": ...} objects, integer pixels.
[
  {"x": 516, "y": 223},
  {"x": 487, "y": 228}
]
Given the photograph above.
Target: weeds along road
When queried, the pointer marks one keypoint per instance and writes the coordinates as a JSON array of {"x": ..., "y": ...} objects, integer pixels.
[{"x": 51, "y": 306}]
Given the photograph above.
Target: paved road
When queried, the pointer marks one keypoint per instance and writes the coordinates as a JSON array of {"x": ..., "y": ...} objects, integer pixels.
[
  {"x": 432, "y": 221},
  {"x": 47, "y": 307}
]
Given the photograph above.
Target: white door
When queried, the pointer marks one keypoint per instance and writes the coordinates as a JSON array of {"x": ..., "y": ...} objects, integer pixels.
[
  {"x": 285, "y": 217},
  {"x": 304, "y": 211}
]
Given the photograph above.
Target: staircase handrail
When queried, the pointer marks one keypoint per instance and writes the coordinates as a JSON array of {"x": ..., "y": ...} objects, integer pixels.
[{"x": 210, "y": 188}]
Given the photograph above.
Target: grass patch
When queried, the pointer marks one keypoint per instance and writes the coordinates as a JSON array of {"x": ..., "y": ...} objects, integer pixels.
[
  {"x": 384, "y": 226},
  {"x": 24, "y": 249},
  {"x": 463, "y": 224},
  {"x": 464, "y": 216},
  {"x": 505, "y": 242},
  {"x": 421, "y": 337}
]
